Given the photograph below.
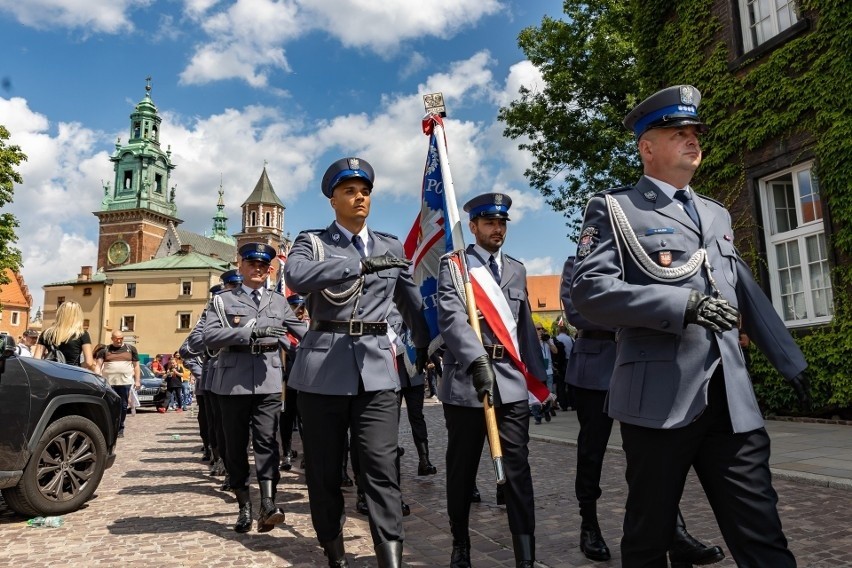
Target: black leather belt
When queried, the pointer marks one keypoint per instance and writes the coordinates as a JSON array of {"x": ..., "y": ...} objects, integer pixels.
[
  {"x": 495, "y": 351},
  {"x": 351, "y": 327},
  {"x": 254, "y": 349},
  {"x": 596, "y": 334}
]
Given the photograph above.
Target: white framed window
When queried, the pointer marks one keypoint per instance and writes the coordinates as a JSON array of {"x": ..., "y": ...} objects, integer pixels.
[
  {"x": 797, "y": 254},
  {"x": 765, "y": 19},
  {"x": 14, "y": 318},
  {"x": 184, "y": 320},
  {"x": 128, "y": 323},
  {"x": 186, "y": 287}
]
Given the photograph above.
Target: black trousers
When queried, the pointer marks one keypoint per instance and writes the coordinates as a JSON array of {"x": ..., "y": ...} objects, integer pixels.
[
  {"x": 289, "y": 418},
  {"x": 414, "y": 405},
  {"x": 465, "y": 439},
  {"x": 373, "y": 418},
  {"x": 260, "y": 413},
  {"x": 215, "y": 419},
  {"x": 733, "y": 470},
  {"x": 595, "y": 428},
  {"x": 203, "y": 419}
]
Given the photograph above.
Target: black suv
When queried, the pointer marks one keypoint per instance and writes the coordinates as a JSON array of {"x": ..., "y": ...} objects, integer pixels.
[{"x": 57, "y": 435}]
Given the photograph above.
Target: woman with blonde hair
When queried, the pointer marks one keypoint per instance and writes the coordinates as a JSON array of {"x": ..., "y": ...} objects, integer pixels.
[{"x": 68, "y": 336}]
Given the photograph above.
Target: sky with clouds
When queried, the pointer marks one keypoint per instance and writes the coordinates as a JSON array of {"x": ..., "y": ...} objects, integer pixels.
[{"x": 293, "y": 84}]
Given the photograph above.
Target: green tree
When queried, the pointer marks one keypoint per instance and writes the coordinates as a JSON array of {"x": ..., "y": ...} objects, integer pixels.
[
  {"x": 572, "y": 124},
  {"x": 10, "y": 156}
]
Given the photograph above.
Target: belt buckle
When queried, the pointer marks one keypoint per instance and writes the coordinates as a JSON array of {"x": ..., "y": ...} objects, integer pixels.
[
  {"x": 356, "y": 327},
  {"x": 256, "y": 349},
  {"x": 497, "y": 352}
]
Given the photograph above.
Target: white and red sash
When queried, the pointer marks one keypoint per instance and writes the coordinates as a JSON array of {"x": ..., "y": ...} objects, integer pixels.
[{"x": 491, "y": 302}]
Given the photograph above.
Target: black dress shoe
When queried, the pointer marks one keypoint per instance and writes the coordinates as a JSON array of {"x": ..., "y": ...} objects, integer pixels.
[
  {"x": 270, "y": 515},
  {"x": 226, "y": 485},
  {"x": 406, "y": 510},
  {"x": 686, "y": 551},
  {"x": 592, "y": 543},
  {"x": 425, "y": 467},
  {"x": 243, "y": 524},
  {"x": 461, "y": 554},
  {"x": 361, "y": 504},
  {"x": 286, "y": 463},
  {"x": 475, "y": 497}
]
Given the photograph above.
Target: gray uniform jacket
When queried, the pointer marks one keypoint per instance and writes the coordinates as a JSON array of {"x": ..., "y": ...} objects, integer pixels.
[
  {"x": 336, "y": 363},
  {"x": 405, "y": 378},
  {"x": 241, "y": 372},
  {"x": 194, "y": 355},
  {"x": 591, "y": 361},
  {"x": 662, "y": 367},
  {"x": 456, "y": 386}
]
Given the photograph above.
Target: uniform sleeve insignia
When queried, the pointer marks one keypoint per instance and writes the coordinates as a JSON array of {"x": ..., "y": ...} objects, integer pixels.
[{"x": 588, "y": 241}]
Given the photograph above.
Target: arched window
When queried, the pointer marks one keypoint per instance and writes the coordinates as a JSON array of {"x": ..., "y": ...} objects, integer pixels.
[
  {"x": 268, "y": 219},
  {"x": 253, "y": 218}
]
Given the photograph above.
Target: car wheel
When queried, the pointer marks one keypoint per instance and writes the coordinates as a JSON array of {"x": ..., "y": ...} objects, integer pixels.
[{"x": 64, "y": 470}]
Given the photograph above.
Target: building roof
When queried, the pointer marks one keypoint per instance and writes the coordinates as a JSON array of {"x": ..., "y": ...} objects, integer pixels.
[
  {"x": 207, "y": 245},
  {"x": 263, "y": 192},
  {"x": 178, "y": 261},
  {"x": 15, "y": 293},
  {"x": 543, "y": 291},
  {"x": 97, "y": 278}
]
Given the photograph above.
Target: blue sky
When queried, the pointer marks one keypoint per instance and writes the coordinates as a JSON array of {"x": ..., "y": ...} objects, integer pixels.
[{"x": 293, "y": 83}]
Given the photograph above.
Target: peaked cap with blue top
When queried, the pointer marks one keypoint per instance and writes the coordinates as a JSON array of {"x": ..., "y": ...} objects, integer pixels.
[{"x": 671, "y": 107}]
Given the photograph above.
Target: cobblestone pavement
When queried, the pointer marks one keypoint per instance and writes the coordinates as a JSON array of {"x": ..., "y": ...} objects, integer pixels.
[{"x": 158, "y": 506}]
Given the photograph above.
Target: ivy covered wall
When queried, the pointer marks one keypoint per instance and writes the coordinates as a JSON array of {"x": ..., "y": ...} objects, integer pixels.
[{"x": 793, "y": 100}]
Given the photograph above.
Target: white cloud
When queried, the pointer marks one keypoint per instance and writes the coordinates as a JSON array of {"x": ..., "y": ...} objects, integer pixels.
[
  {"x": 91, "y": 16},
  {"x": 416, "y": 63},
  {"x": 539, "y": 265}
]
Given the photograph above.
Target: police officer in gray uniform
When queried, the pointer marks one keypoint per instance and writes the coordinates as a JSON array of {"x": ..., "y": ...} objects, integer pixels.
[
  {"x": 249, "y": 325},
  {"x": 474, "y": 369},
  {"x": 589, "y": 370},
  {"x": 345, "y": 373},
  {"x": 657, "y": 261}
]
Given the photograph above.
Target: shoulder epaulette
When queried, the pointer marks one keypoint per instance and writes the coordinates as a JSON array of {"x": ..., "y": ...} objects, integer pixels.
[
  {"x": 708, "y": 198},
  {"x": 390, "y": 236},
  {"x": 512, "y": 258},
  {"x": 315, "y": 231},
  {"x": 618, "y": 189}
]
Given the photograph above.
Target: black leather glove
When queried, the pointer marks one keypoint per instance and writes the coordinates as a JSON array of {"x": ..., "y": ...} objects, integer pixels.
[
  {"x": 713, "y": 313},
  {"x": 421, "y": 359},
  {"x": 483, "y": 378},
  {"x": 802, "y": 385},
  {"x": 268, "y": 331},
  {"x": 372, "y": 264}
]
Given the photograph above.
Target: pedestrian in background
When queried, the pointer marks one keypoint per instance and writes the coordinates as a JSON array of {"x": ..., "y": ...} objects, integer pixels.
[
  {"x": 119, "y": 364},
  {"x": 68, "y": 336}
]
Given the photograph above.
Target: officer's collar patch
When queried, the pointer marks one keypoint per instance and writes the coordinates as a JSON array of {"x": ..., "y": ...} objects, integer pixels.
[
  {"x": 335, "y": 237},
  {"x": 588, "y": 241},
  {"x": 650, "y": 195}
]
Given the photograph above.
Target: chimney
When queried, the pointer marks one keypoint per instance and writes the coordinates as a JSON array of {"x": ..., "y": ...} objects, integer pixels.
[
  {"x": 85, "y": 274},
  {"x": 185, "y": 249}
]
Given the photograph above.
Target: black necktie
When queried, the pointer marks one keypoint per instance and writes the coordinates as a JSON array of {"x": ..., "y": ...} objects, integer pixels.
[
  {"x": 684, "y": 197},
  {"x": 255, "y": 295},
  {"x": 495, "y": 270},
  {"x": 359, "y": 244}
]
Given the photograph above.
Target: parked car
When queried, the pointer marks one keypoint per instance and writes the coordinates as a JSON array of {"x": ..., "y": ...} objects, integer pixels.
[
  {"x": 57, "y": 436},
  {"x": 152, "y": 388}
]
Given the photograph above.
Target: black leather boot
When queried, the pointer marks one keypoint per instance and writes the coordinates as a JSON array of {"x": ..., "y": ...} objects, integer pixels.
[
  {"x": 686, "y": 550},
  {"x": 460, "y": 557},
  {"x": 361, "y": 503},
  {"x": 270, "y": 513},
  {"x": 244, "y": 520},
  {"x": 226, "y": 484},
  {"x": 205, "y": 453},
  {"x": 475, "y": 497},
  {"x": 335, "y": 552},
  {"x": 591, "y": 540},
  {"x": 524, "y": 545},
  {"x": 425, "y": 467},
  {"x": 389, "y": 554}
]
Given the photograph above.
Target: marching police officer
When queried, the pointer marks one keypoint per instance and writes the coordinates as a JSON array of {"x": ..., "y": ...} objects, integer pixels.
[
  {"x": 589, "y": 369},
  {"x": 474, "y": 369},
  {"x": 657, "y": 261},
  {"x": 249, "y": 325},
  {"x": 345, "y": 369}
]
